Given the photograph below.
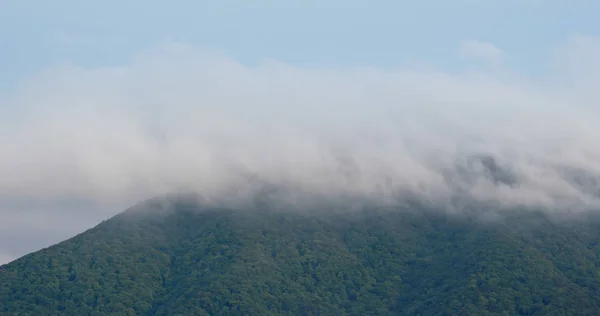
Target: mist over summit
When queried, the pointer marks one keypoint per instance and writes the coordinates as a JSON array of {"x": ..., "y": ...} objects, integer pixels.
[
  {"x": 179, "y": 119},
  {"x": 86, "y": 142},
  {"x": 300, "y": 158}
]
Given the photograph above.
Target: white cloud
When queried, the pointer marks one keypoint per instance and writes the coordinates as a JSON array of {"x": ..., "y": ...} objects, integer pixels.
[
  {"x": 177, "y": 118},
  {"x": 483, "y": 51}
]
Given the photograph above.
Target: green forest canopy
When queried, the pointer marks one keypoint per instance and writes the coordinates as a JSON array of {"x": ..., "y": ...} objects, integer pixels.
[{"x": 202, "y": 261}]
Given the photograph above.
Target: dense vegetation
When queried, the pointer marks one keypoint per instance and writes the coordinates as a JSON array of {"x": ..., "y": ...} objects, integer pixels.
[{"x": 193, "y": 261}]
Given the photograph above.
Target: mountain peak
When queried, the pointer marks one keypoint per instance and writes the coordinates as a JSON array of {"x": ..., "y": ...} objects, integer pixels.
[{"x": 175, "y": 256}]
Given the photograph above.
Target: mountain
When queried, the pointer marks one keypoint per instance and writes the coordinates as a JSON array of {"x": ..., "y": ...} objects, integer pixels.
[{"x": 178, "y": 257}]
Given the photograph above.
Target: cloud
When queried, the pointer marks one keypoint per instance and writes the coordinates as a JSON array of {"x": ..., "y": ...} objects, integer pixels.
[
  {"x": 84, "y": 143},
  {"x": 177, "y": 118},
  {"x": 483, "y": 51}
]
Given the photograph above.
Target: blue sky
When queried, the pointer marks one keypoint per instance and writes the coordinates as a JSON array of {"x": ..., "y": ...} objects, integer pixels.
[
  {"x": 105, "y": 103},
  {"x": 35, "y": 34}
]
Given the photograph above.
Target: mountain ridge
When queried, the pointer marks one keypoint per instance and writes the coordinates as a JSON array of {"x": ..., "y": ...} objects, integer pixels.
[{"x": 182, "y": 258}]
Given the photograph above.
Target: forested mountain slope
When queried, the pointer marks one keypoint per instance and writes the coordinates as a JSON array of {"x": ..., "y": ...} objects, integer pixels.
[{"x": 191, "y": 260}]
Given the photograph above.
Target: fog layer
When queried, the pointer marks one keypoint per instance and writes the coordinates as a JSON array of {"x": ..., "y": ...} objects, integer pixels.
[{"x": 179, "y": 119}]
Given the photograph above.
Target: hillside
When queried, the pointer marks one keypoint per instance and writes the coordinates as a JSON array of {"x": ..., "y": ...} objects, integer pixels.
[{"x": 191, "y": 260}]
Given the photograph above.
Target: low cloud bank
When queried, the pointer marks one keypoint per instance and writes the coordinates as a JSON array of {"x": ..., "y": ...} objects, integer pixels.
[{"x": 178, "y": 119}]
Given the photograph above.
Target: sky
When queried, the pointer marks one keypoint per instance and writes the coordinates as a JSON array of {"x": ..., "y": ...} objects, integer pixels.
[{"x": 103, "y": 104}]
